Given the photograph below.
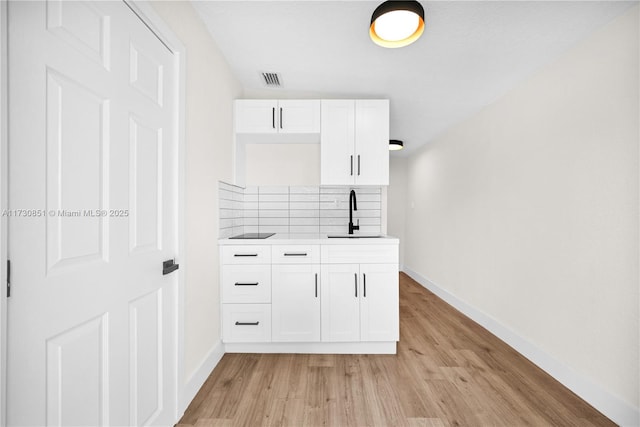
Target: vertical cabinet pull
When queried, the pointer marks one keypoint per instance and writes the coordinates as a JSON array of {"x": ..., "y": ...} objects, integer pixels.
[
  {"x": 351, "y": 165},
  {"x": 355, "y": 276},
  {"x": 280, "y": 117},
  {"x": 358, "y": 164},
  {"x": 316, "y": 285},
  {"x": 273, "y": 117},
  {"x": 364, "y": 285}
]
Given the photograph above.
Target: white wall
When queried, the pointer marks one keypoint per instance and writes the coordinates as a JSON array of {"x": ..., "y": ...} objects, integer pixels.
[
  {"x": 528, "y": 213},
  {"x": 282, "y": 164},
  {"x": 210, "y": 91},
  {"x": 397, "y": 200}
]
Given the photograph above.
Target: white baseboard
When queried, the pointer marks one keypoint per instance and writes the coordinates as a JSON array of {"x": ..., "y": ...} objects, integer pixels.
[
  {"x": 196, "y": 381},
  {"x": 385, "y": 347},
  {"x": 617, "y": 410}
]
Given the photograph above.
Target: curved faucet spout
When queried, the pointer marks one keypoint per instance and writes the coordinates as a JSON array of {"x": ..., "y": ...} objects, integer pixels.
[{"x": 353, "y": 206}]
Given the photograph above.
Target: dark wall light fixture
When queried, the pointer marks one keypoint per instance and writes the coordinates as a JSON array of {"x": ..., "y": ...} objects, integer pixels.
[
  {"x": 395, "y": 145},
  {"x": 397, "y": 23}
]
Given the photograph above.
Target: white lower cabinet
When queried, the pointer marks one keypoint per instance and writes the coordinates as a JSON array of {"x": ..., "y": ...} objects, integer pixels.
[
  {"x": 246, "y": 322},
  {"x": 295, "y": 303},
  {"x": 340, "y": 303},
  {"x": 360, "y": 302},
  {"x": 333, "y": 298},
  {"x": 379, "y": 302}
]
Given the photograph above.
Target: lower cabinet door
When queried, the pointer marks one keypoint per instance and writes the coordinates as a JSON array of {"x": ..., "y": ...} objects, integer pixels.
[
  {"x": 246, "y": 322},
  {"x": 295, "y": 303},
  {"x": 379, "y": 302},
  {"x": 340, "y": 303}
]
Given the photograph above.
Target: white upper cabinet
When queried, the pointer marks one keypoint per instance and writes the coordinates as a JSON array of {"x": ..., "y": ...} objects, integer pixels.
[
  {"x": 354, "y": 142},
  {"x": 265, "y": 116}
]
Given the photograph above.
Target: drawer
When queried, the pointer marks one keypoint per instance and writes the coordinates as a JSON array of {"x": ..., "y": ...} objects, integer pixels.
[
  {"x": 295, "y": 254},
  {"x": 246, "y": 254},
  {"x": 360, "y": 254},
  {"x": 246, "y": 283},
  {"x": 246, "y": 322}
]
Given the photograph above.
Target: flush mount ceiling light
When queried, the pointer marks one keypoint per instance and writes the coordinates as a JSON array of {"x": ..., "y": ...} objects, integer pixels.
[
  {"x": 397, "y": 23},
  {"x": 395, "y": 145}
]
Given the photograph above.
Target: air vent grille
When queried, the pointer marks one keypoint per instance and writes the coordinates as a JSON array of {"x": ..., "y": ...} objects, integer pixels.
[{"x": 272, "y": 79}]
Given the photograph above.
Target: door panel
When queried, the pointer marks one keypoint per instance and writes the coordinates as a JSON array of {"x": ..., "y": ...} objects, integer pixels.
[
  {"x": 379, "y": 305},
  {"x": 340, "y": 303},
  {"x": 337, "y": 135},
  {"x": 91, "y": 319},
  {"x": 145, "y": 174},
  {"x": 77, "y": 373},
  {"x": 146, "y": 353},
  {"x": 295, "y": 303},
  {"x": 77, "y": 146},
  {"x": 372, "y": 142}
]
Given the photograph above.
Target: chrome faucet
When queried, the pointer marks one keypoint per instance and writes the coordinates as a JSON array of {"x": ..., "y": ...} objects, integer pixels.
[{"x": 352, "y": 207}]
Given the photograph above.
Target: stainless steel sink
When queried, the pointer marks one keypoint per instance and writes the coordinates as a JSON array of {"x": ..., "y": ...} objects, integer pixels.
[{"x": 355, "y": 236}]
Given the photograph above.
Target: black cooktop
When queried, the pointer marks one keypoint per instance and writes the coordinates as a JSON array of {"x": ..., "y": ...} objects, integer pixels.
[{"x": 252, "y": 236}]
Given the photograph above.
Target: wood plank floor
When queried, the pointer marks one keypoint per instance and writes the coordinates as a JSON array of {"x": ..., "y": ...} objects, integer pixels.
[{"x": 449, "y": 371}]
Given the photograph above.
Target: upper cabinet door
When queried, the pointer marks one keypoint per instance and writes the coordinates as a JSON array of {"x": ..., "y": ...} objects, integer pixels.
[
  {"x": 337, "y": 136},
  {"x": 354, "y": 142},
  {"x": 298, "y": 116},
  {"x": 256, "y": 116},
  {"x": 372, "y": 142},
  {"x": 272, "y": 116}
]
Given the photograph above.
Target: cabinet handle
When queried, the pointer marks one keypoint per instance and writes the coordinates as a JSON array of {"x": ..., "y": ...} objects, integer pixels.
[
  {"x": 273, "y": 117},
  {"x": 246, "y": 284},
  {"x": 295, "y": 254},
  {"x": 247, "y": 323},
  {"x": 364, "y": 285},
  {"x": 280, "y": 117},
  {"x": 351, "y": 165},
  {"x": 316, "y": 285},
  {"x": 245, "y": 254},
  {"x": 355, "y": 275},
  {"x": 358, "y": 164}
]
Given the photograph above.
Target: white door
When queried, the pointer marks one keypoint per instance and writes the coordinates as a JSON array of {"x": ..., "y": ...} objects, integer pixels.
[
  {"x": 372, "y": 142},
  {"x": 92, "y": 164},
  {"x": 337, "y": 135},
  {"x": 295, "y": 303},
  {"x": 379, "y": 302},
  {"x": 340, "y": 303}
]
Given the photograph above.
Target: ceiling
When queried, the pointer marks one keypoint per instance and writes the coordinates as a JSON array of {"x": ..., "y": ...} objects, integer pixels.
[{"x": 470, "y": 54}]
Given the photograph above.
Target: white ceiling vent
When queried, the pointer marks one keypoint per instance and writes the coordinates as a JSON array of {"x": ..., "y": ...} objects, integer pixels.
[{"x": 272, "y": 79}]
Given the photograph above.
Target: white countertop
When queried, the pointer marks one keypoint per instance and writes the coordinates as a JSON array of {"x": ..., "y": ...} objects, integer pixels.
[{"x": 313, "y": 239}]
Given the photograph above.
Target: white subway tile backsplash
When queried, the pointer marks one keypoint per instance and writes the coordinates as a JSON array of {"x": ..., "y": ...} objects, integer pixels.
[
  {"x": 304, "y": 213},
  {"x": 304, "y": 221},
  {"x": 273, "y": 205},
  {"x": 296, "y": 209},
  {"x": 303, "y": 229}
]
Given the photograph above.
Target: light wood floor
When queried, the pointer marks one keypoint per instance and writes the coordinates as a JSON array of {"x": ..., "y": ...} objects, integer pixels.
[{"x": 449, "y": 371}]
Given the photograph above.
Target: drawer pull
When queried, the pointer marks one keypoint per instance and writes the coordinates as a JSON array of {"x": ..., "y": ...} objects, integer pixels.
[
  {"x": 247, "y": 323},
  {"x": 245, "y": 254},
  {"x": 316, "y": 285},
  {"x": 246, "y": 284},
  {"x": 295, "y": 254}
]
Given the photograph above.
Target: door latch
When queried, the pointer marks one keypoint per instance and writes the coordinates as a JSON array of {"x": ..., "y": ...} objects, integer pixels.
[{"x": 169, "y": 266}]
